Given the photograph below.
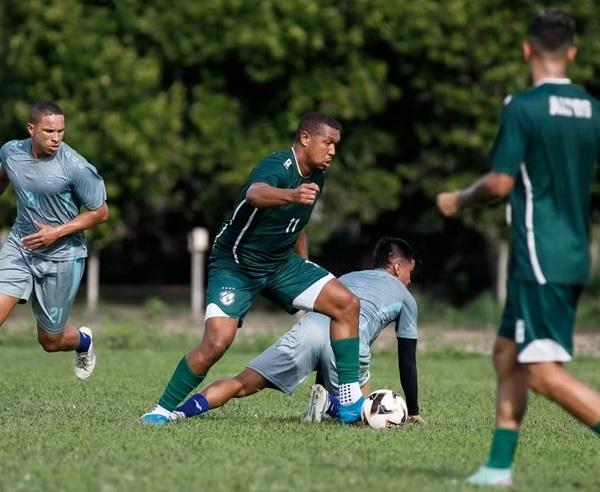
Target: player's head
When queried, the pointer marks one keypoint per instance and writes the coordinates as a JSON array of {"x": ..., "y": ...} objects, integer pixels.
[
  {"x": 318, "y": 135},
  {"x": 46, "y": 126},
  {"x": 396, "y": 256},
  {"x": 551, "y": 35}
]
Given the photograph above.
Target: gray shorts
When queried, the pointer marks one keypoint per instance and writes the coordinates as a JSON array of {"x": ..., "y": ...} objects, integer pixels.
[
  {"x": 303, "y": 349},
  {"x": 53, "y": 284}
]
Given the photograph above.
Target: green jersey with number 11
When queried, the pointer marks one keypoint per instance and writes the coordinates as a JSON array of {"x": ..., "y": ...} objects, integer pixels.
[{"x": 260, "y": 239}]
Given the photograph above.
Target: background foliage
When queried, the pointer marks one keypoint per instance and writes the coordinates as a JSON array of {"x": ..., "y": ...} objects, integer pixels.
[{"x": 174, "y": 101}]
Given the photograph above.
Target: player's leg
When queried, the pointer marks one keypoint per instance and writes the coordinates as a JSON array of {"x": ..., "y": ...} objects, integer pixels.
[
  {"x": 511, "y": 401},
  {"x": 550, "y": 379},
  {"x": 548, "y": 342},
  {"x": 7, "y": 304},
  {"x": 219, "y": 333},
  {"x": 511, "y": 404},
  {"x": 215, "y": 395},
  {"x": 55, "y": 287},
  {"x": 324, "y": 394},
  {"x": 229, "y": 296},
  {"x": 282, "y": 366},
  {"x": 343, "y": 307},
  {"x": 302, "y": 284}
]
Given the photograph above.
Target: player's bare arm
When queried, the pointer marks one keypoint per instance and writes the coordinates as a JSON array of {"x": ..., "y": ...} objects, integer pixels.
[
  {"x": 262, "y": 195},
  {"x": 47, "y": 235},
  {"x": 301, "y": 246},
  {"x": 490, "y": 187}
]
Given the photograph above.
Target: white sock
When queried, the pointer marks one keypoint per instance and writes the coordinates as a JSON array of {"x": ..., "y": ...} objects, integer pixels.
[
  {"x": 161, "y": 411},
  {"x": 350, "y": 393}
]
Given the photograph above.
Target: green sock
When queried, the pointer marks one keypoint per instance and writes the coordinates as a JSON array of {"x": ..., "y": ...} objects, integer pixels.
[
  {"x": 596, "y": 428},
  {"x": 182, "y": 382},
  {"x": 504, "y": 444},
  {"x": 345, "y": 352}
]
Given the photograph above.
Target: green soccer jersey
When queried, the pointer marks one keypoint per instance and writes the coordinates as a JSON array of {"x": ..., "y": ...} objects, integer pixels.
[
  {"x": 260, "y": 239},
  {"x": 549, "y": 141}
]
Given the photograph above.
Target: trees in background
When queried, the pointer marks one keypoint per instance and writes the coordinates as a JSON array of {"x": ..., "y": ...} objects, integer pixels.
[{"x": 174, "y": 101}]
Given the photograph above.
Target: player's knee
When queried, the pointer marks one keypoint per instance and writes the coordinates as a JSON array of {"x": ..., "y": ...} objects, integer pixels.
[
  {"x": 539, "y": 381},
  {"x": 216, "y": 347}
]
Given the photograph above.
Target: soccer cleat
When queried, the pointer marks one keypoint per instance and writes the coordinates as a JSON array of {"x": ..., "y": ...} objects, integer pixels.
[
  {"x": 350, "y": 414},
  {"x": 157, "y": 416},
  {"x": 85, "y": 361},
  {"x": 177, "y": 415},
  {"x": 491, "y": 477},
  {"x": 317, "y": 405}
]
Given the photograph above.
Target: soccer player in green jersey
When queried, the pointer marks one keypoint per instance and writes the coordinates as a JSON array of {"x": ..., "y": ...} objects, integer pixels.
[
  {"x": 262, "y": 249},
  {"x": 544, "y": 158},
  {"x": 44, "y": 255}
]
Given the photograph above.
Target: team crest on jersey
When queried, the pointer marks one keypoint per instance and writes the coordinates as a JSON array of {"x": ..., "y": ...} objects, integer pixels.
[
  {"x": 287, "y": 163},
  {"x": 227, "y": 297}
]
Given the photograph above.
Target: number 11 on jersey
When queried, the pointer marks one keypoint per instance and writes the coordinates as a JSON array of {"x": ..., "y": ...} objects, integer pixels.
[{"x": 292, "y": 225}]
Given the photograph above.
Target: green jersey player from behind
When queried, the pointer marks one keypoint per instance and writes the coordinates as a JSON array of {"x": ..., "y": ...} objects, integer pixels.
[
  {"x": 544, "y": 158},
  {"x": 262, "y": 249},
  {"x": 44, "y": 255}
]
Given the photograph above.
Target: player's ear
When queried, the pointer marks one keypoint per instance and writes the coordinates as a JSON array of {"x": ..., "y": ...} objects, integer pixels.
[
  {"x": 527, "y": 50},
  {"x": 571, "y": 53},
  {"x": 305, "y": 138},
  {"x": 30, "y": 129}
]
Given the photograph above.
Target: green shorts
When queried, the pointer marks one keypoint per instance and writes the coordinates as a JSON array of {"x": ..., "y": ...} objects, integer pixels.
[
  {"x": 53, "y": 284},
  {"x": 540, "y": 319},
  {"x": 231, "y": 290}
]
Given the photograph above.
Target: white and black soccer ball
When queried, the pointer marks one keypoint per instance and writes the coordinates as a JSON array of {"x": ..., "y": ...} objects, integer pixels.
[{"x": 384, "y": 409}]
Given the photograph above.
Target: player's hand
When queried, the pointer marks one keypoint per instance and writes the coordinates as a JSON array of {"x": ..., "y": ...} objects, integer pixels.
[
  {"x": 415, "y": 419},
  {"x": 305, "y": 194},
  {"x": 44, "y": 237},
  {"x": 448, "y": 203}
]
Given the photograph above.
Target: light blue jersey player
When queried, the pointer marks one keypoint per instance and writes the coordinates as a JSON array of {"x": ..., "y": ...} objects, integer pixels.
[
  {"x": 305, "y": 348},
  {"x": 43, "y": 257}
]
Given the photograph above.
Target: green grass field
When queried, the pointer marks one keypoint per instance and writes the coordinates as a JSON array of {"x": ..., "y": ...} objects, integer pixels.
[{"x": 62, "y": 434}]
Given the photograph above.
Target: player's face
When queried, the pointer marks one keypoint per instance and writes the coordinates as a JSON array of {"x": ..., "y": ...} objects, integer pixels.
[
  {"x": 403, "y": 269},
  {"x": 47, "y": 134},
  {"x": 320, "y": 146}
]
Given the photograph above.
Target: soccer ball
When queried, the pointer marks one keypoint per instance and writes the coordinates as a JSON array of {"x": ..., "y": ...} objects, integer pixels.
[{"x": 384, "y": 409}]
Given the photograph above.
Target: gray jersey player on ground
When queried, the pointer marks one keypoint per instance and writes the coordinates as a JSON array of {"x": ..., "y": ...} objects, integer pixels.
[
  {"x": 305, "y": 348},
  {"x": 43, "y": 257}
]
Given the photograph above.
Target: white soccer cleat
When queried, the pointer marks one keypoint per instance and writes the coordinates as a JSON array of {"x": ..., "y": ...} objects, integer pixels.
[
  {"x": 491, "y": 477},
  {"x": 317, "y": 404},
  {"x": 176, "y": 415},
  {"x": 85, "y": 361}
]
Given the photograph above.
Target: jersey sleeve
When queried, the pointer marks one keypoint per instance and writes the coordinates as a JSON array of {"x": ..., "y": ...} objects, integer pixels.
[
  {"x": 272, "y": 172},
  {"x": 406, "y": 324},
  {"x": 3, "y": 155},
  {"x": 87, "y": 184},
  {"x": 510, "y": 145}
]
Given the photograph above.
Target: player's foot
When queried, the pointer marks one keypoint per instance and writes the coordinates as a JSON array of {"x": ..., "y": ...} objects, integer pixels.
[
  {"x": 317, "y": 404},
  {"x": 157, "y": 416},
  {"x": 350, "y": 414},
  {"x": 491, "y": 477},
  {"x": 85, "y": 361}
]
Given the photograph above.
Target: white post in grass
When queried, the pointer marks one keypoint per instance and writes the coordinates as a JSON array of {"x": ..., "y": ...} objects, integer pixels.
[
  {"x": 93, "y": 281},
  {"x": 197, "y": 246}
]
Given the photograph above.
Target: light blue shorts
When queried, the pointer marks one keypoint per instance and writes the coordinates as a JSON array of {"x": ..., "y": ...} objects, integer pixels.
[
  {"x": 305, "y": 348},
  {"x": 53, "y": 284}
]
